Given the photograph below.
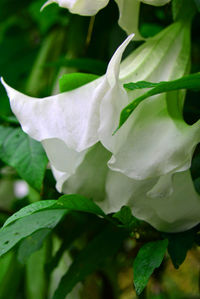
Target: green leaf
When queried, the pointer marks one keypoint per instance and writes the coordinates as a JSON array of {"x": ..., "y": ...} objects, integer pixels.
[
  {"x": 26, "y": 155},
  {"x": 140, "y": 85},
  {"x": 30, "y": 209},
  {"x": 16, "y": 231},
  {"x": 126, "y": 218},
  {"x": 31, "y": 244},
  {"x": 91, "y": 258},
  {"x": 187, "y": 82},
  {"x": 11, "y": 274},
  {"x": 149, "y": 258},
  {"x": 9, "y": 119},
  {"x": 73, "y": 202},
  {"x": 26, "y": 221},
  {"x": 72, "y": 81},
  {"x": 179, "y": 244},
  {"x": 36, "y": 284},
  {"x": 79, "y": 203}
]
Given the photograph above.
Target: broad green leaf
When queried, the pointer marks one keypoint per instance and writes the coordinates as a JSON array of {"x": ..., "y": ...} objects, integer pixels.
[
  {"x": 18, "y": 230},
  {"x": 30, "y": 209},
  {"x": 179, "y": 244},
  {"x": 73, "y": 202},
  {"x": 187, "y": 82},
  {"x": 36, "y": 284},
  {"x": 91, "y": 258},
  {"x": 149, "y": 258},
  {"x": 5, "y": 263},
  {"x": 31, "y": 244},
  {"x": 79, "y": 203},
  {"x": 11, "y": 274},
  {"x": 26, "y": 155},
  {"x": 74, "y": 80},
  {"x": 126, "y": 218}
]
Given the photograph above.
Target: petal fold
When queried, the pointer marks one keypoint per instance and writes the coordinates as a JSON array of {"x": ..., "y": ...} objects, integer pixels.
[
  {"x": 175, "y": 212},
  {"x": 129, "y": 16},
  {"x": 155, "y": 140},
  {"x": 81, "y": 7},
  {"x": 71, "y": 116}
]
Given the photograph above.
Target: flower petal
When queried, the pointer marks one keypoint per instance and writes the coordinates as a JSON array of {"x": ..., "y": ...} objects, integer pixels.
[
  {"x": 157, "y": 144},
  {"x": 155, "y": 140},
  {"x": 71, "y": 116},
  {"x": 67, "y": 123},
  {"x": 81, "y": 7},
  {"x": 90, "y": 177},
  {"x": 129, "y": 16},
  {"x": 61, "y": 157},
  {"x": 178, "y": 212},
  {"x": 145, "y": 63}
]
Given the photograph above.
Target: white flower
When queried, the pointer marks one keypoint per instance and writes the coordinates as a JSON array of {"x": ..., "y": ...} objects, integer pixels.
[
  {"x": 149, "y": 157},
  {"x": 128, "y": 9}
]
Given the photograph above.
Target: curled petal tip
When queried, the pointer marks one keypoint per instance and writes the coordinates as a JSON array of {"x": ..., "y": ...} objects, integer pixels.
[
  {"x": 3, "y": 82},
  {"x": 46, "y": 4},
  {"x": 132, "y": 35}
]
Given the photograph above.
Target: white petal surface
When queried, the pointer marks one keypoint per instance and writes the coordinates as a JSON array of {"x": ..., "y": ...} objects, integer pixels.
[
  {"x": 157, "y": 144},
  {"x": 62, "y": 157},
  {"x": 145, "y": 63},
  {"x": 67, "y": 123},
  {"x": 178, "y": 212},
  {"x": 71, "y": 116},
  {"x": 129, "y": 16},
  {"x": 81, "y": 7},
  {"x": 90, "y": 177},
  {"x": 155, "y": 140}
]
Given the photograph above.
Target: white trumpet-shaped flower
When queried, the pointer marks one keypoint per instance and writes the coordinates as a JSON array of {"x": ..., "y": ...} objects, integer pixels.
[
  {"x": 146, "y": 163},
  {"x": 128, "y": 9}
]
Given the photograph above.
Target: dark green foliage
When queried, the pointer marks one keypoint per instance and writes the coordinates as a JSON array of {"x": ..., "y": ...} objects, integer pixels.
[
  {"x": 72, "y": 202},
  {"x": 31, "y": 244},
  {"x": 24, "y": 227},
  {"x": 179, "y": 244},
  {"x": 149, "y": 258},
  {"x": 126, "y": 218},
  {"x": 26, "y": 155},
  {"x": 93, "y": 257}
]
